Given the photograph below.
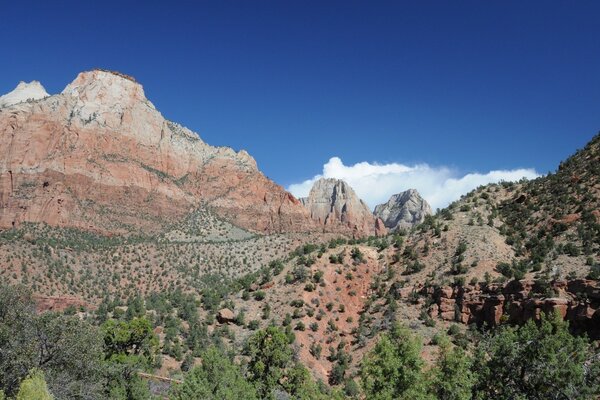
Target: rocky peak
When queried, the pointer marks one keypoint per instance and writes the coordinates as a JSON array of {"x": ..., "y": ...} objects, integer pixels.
[
  {"x": 106, "y": 98},
  {"x": 334, "y": 202},
  {"x": 104, "y": 86},
  {"x": 23, "y": 92},
  {"x": 403, "y": 210}
]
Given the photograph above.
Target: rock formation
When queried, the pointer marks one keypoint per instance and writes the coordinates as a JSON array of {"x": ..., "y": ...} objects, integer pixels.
[
  {"x": 403, "y": 210},
  {"x": 577, "y": 301},
  {"x": 99, "y": 156},
  {"x": 332, "y": 202}
]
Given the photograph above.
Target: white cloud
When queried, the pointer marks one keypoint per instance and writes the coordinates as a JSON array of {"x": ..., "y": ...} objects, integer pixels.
[{"x": 375, "y": 183}]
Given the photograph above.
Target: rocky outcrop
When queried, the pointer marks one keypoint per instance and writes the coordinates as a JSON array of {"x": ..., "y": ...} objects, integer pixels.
[
  {"x": 99, "y": 156},
  {"x": 577, "y": 301},
  {"x": 333, "y": 203},
  {"x": 403, "y": 210},
  {"x": 59, "y": 303}
]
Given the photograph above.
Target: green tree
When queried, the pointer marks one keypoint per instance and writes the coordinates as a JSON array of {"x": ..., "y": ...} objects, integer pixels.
[
  {"x": 453, "y": 378},
  {"x": 536, "y": 361},
  {"x": 67, "y": 349},
  {"x": 300, "y": 385},
  {"x": 270, "y": 357},
  {"x": 34, "y": 387},
  {"x": 129, "y": 346},
  {"x": 393, "y": 369},
  {"x": 124, "y": 383},
  {"x": 134, "y": 337},
  {"x": 217, "y": 378}
]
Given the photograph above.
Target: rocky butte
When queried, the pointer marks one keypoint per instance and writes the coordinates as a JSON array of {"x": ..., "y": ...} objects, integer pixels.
[
  {"x": 99, "y": 156},
  {"x": 332, "y": 202},
  {"x": 403, "y": 210}
]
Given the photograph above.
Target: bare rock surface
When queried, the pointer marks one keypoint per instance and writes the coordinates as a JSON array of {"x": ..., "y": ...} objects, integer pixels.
[
  {"x": 403, "y": 210},
  {"x": 332, "y": 202}
]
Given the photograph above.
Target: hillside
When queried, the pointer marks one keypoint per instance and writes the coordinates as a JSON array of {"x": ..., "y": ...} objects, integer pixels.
[{"x": 554, "y": 221}]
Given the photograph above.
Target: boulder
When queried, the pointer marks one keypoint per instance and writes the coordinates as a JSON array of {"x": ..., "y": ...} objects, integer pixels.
[{"x": 225, "y": 316}]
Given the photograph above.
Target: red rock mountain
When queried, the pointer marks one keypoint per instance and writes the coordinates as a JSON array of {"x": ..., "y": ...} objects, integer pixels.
[{"x": 100, "y": 156}]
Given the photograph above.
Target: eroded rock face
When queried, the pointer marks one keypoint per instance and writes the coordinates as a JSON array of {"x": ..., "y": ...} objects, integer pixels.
[
  {"x": 520, "y": 301},
  {"x": 99, "y": 156},
  {"x": 403, "y": 210},
  {"x": 332, "y": 202},
  {"x": 59, "y": 303}
]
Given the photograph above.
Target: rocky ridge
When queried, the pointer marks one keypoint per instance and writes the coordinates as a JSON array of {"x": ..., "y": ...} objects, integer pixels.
[{"x": 403, "y": 210}]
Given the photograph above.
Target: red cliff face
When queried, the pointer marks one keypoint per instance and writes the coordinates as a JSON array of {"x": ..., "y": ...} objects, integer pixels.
[{"x": 99, "y": 156}]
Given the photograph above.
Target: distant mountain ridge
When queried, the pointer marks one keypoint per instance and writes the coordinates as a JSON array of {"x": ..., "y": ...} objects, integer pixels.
[{"x": 333, "y": 201}]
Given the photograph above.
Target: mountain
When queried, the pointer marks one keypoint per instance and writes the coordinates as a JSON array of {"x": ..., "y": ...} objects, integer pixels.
[
  {"x": 114, "y": 212},
  {"x": 332, "y": 202},
  {"x": 24, "y": 92},
  {"x": 99, "y": 156},
  {"x": 403, "y": 210}
]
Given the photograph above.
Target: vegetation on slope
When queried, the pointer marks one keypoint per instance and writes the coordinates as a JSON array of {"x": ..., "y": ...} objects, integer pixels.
[{"x": 66, "y": 357}]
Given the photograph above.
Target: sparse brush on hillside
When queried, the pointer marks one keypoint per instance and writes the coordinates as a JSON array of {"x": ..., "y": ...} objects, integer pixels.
[{"x": 557, "y": 214}]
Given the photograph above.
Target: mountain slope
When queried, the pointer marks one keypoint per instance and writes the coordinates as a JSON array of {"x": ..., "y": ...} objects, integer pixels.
[{"x": 558, "y": 215}]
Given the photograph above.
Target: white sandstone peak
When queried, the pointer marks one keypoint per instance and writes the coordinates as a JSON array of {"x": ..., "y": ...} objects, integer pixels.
[
  {"x": 24, "y": 92},
  {"x": 106, "y": 87}
]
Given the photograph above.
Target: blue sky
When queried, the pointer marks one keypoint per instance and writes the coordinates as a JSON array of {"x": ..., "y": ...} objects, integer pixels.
[{"x": 465, "y": 86}]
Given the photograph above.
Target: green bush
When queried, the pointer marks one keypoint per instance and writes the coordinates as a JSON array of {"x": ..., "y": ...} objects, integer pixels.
[
  {"x": 536, "y": 361},
  {"x": 217, "y": 378},
  {"x": 34, "y": 387}
]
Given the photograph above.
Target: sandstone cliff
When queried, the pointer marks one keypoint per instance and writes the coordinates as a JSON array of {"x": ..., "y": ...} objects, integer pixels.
[
  {"x": 403, "y": 210},
  {"x": 332, "y": 202},
  {"x": 99, "y": 156}
]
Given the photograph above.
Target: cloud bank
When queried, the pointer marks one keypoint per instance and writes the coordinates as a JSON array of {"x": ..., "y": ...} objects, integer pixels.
[{"x": 375, "y": 183}]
